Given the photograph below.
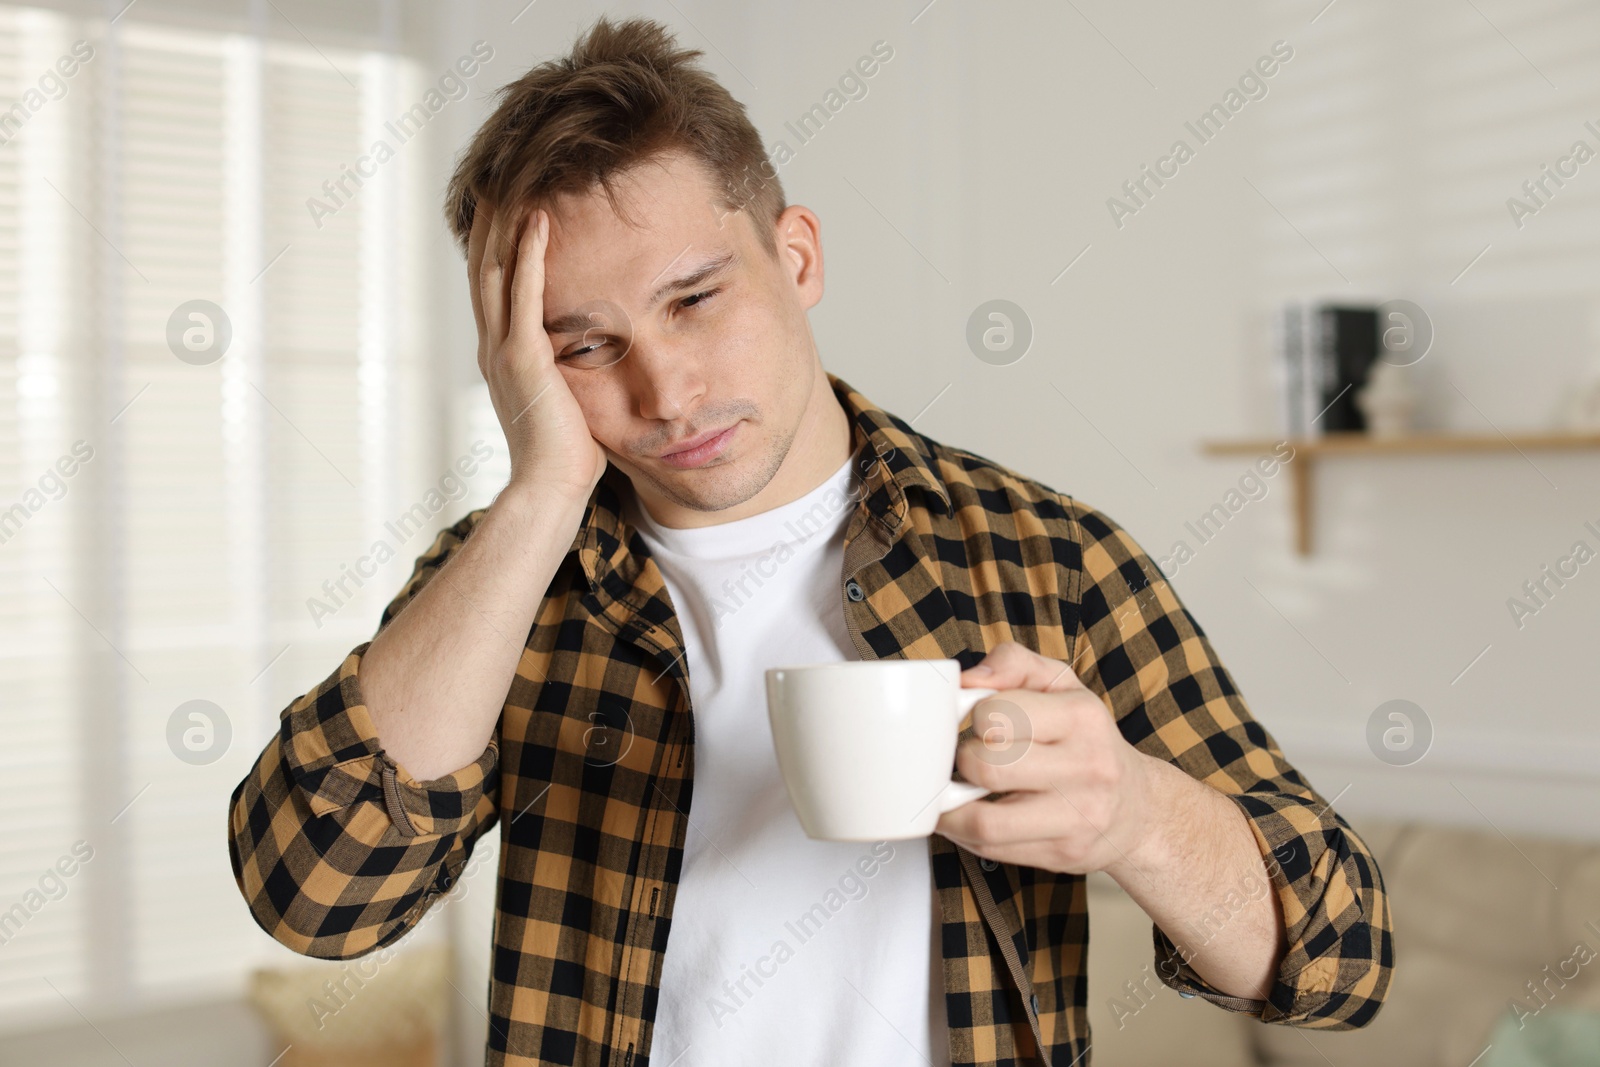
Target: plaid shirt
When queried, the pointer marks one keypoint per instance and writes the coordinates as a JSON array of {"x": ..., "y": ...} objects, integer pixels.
[{"x": 339, "y": 851}]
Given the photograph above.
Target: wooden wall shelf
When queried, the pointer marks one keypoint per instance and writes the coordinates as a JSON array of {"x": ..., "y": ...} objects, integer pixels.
[{"x": 1307, "y": 451}]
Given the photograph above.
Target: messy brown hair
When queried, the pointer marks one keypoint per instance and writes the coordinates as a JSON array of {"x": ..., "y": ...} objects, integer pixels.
[{"x": 624, "y": 94}]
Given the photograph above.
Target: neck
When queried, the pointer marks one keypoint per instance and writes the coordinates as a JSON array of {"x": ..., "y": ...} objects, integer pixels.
[{"x": 821, "y": 445}]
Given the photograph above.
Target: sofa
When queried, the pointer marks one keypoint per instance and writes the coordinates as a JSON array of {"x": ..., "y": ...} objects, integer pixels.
[{"x": 1477, "y": 918}]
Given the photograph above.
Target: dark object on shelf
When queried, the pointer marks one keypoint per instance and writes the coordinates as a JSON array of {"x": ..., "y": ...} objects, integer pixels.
[
  {"x": 1325, "y": 353},
  {"x": 1348, "y": 341}
]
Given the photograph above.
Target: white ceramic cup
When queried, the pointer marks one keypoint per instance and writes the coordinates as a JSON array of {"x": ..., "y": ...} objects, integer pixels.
[{"x": 867, "y": 748}]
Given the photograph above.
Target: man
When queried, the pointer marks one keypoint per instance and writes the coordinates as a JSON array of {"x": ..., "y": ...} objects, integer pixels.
[{"x": 692, "y": 499}]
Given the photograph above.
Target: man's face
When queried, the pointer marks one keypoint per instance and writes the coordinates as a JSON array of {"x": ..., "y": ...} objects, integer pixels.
[{"x": 699, "y": 352}]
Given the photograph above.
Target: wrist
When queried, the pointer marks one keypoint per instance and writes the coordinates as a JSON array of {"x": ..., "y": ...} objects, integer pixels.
[
  {"x": 541, "y": 496},
  {"x": 538, "y": 512},
  {"x": 1151, "y": 804}
]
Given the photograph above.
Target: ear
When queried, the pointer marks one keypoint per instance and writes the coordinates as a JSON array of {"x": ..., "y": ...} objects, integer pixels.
[{"x": 798, "y": 236}]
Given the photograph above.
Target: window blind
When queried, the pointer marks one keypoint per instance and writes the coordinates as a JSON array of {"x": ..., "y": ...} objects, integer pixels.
[
  {"x": 1396, "y": 137},
  {"x": 178, "y": 564},
  {"x": 43, "y": 914}
]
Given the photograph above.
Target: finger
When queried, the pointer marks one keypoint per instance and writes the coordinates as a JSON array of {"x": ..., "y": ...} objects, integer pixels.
[
  {"x": 1000, "y": 753},
  {"x": 476, "y": 242},
  {"x": 1023, "y": 854},
  {"x": 490, "y": 285},
  {"x": 1017, "y": 748},
  {"x": 1014, "y": 720},
  {"x": 527, "y": 283},
  {"x": 509, "y": 231},
  {"x": 1015, "y": 666},
  {"x": 979, "y": 824}
]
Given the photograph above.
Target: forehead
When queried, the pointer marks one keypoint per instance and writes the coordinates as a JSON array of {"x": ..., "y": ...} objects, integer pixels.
[{"x": 674, "y": 220}]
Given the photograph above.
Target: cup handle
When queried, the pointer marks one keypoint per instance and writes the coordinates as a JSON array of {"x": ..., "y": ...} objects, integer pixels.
[{"x": 958, "y": 793}]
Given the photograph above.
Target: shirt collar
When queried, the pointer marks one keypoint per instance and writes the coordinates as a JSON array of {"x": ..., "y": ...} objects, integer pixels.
[{"x": 891, "y": 458}]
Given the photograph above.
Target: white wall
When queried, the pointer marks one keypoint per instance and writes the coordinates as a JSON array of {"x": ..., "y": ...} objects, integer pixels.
[
  {"x": 978, "y": 166},
  {"x": 1377, "y": 166}
]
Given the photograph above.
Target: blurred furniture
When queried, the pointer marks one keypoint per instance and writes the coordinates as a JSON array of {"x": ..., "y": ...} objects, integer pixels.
[
  {"x": 1307, "y": 450},
  {"x": 367, "y": 1012},
  {"x": 1477, "y": 918}
]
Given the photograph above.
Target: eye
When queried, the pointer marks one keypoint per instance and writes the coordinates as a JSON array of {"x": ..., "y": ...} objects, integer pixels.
[
  {"x": 699, "y": 298},
  {"x": 600, "y": 350},
  {"x": 596, "y": 347},
  {"x": 592, "y": 356},
  {"x": 580, "y": 353},
  {"x": 600, "y": 354}
]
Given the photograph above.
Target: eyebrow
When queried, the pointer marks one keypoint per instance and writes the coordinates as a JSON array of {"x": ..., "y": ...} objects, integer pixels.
[{"x": 578, "y": 321}]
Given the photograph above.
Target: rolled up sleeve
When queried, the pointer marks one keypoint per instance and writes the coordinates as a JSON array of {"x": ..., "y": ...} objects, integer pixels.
[
  {"x": 1337, "y": 964},
  {"x": 330, "y": 749},
  {"x": 336, "y": 848},
  {"x": 1138, "y": 647}
]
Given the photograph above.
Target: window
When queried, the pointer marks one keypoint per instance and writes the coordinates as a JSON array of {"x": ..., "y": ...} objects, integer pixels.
[{"x": 213, "y": 539}]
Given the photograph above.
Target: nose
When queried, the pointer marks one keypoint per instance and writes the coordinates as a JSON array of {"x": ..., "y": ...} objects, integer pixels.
[{"x": 665, "y": 380}]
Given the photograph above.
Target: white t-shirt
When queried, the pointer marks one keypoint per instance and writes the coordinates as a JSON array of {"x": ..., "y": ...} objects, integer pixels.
[{"x": 783, "y": 950}]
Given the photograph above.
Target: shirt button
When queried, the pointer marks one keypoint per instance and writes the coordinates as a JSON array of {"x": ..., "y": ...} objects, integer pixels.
[
  {"x": 1034, "y": 1000},
  {"x": 988, "y": 864},
  {"x": 853, "y": 591}
]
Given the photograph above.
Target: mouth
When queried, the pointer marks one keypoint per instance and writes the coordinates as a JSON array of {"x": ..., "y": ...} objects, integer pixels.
[{"x": 699, "y": 449}]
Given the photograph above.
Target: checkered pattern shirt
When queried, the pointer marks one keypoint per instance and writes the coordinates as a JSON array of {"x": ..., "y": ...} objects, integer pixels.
[{"x": 589, "y": 776}]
